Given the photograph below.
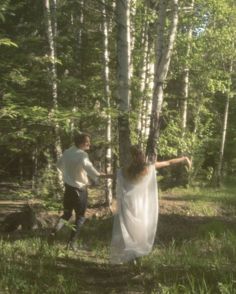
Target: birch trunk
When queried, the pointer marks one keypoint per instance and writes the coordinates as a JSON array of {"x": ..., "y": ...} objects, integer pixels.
[
  {"x": 186, "y": 79},
  {"x": 51, "y": 31},
  {"x": 224, "y": 130},
  {"x": 163, "y": 58},
  {"x": 78, "y": 23},
  {"x": 146, "y": 89},
  {"x": 123, "y": 54},
  {"x": 35, "y": 169},
  {"x": 81, "y": 21},
  {"x": 143, "y": 81},
  {"x": 222, "y": 146},
  {"x": 132, "y": 32},
  {"x": 107, "y": 94},
  {"x": 185, "y": 101}
]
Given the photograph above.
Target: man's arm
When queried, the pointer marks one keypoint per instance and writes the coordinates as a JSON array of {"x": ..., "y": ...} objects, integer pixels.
[
  {"x": 90, "y": 169},
  {"x": 184, "y": 159}
]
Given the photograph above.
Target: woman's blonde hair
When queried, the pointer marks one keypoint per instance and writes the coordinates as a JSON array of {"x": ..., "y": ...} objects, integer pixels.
[{"x": 138, "y": 166}]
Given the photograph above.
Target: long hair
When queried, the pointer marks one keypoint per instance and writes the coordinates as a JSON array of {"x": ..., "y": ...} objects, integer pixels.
[{"x": 138, "y": 166}]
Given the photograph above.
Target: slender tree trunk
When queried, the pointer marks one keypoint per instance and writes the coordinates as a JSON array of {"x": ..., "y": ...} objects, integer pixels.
[
  {"x": 163, "y": 58},
  {"x": 186, "y": 79},
  {"x": 147, "y": 86},
  {"x": 224, "y": 130},
  {"x": 181, "y": 174},
  {"x": 143, "y": 81},
  {"x": 51, "y": 41},
  {"x": 132, "y": 12},
  {"x": 107, "y": 94},
  {"x": 223, "y": 139},
  {"x": 77, "y": 20},
  {"x": 80, "y": 30},
  {"x": 52, "y": 33},
  {"x": 123, "y": 52},
  {"x": 35, "y": 169}
]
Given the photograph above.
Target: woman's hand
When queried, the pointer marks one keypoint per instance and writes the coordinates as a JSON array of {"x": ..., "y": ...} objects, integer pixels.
[
  {"x": 188, "y": 162},
  {"x": 106, "y": 176}
]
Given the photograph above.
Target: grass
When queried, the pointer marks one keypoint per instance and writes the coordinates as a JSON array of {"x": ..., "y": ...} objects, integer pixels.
[{"x": 194, "y": 252}]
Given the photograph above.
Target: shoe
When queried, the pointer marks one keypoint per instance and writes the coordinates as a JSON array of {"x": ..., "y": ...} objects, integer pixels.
[
  {"x": 51, "y": 238},
  {"x": 72, "y": 245}
]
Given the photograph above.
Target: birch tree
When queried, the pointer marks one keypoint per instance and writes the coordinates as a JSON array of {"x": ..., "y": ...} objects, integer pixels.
[
  {"x": 145, "y": 73},
  {"x": 164, "y": 50},
  {"x": 107, "y": 94},
  {"x": 123, "y": 77},
  {"x": 224, "y": 129},
  {"x": 186, "y": 76},
  {"x": 77, "y": 20},
  {"x": 51, "y": 33}
]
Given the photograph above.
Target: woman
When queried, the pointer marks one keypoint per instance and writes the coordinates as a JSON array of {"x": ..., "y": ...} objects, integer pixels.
[{"x": 135, "y": 223}]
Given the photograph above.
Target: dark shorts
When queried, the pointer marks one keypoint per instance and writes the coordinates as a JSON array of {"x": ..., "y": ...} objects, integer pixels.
[{"x": 75, "y": 199}]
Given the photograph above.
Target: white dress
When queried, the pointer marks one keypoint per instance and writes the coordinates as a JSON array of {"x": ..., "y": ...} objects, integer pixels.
[{"x": 135, "y": 223}]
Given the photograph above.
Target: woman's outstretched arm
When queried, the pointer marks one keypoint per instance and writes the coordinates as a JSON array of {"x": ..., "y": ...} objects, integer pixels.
[{"x": 184, "y": 159}]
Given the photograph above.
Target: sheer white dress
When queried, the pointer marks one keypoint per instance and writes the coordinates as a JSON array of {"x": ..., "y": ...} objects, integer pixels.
[{"x": 135, "y": 223}]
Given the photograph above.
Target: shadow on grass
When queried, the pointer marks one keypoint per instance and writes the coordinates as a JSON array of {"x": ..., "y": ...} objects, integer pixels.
[
  {"x": 45, "y": 273},
  {"x": 90, "y": 271},
  {"x": 97, "y": 232},
  {"x": 181, "y": 228},
  {"x": 195, "y": 198}
]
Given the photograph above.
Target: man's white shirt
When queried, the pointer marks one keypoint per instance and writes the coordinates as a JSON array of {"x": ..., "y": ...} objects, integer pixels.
[{"x": 76, "y": 167}]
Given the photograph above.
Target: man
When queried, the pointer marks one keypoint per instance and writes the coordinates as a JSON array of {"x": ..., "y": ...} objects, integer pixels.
[{"x": 76, "y": 168}]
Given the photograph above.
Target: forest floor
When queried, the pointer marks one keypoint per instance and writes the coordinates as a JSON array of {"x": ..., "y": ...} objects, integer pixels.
[{"x": 183, "y": 218}]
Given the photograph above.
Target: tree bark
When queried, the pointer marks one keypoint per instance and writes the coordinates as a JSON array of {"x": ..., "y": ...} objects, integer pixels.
[
  {"x": 51, "y": 32},
  {"x": 123, "y": 54},
  {"x": 222, "y": 145},
  {"x": 107, "y": 94},
  {"x": 163, "y": 57},
  {"x": 186, "y": 78}
]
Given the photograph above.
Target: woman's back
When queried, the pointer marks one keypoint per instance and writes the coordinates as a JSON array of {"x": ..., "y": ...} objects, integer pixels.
[{"x": 136, "y": 221}]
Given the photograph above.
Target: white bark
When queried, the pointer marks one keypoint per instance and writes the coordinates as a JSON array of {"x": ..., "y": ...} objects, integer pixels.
[
  {"x": 51, "y": 41},
  {"x": 185, "y": 101},
  {"x": 107, "y": 94},
  {"x": 223, "y": 138},
  {"x": 51, "y": 31},
  {"x": 163, "y": 58},
  {"x": 123, "y": 53},
  {"x": 186, "y": 79},
  {"x": 132, "y": 31},
  {"x": 143, "y": 82},
  {"x": 35, "y": 169},
  {"x": 224, "y": 131},
  {"x": 146, "y": 90},
  {"x": 81, "y": 21}
]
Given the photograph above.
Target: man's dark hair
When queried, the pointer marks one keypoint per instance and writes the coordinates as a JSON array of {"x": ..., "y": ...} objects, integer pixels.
[{"x": 80, "y": 138}]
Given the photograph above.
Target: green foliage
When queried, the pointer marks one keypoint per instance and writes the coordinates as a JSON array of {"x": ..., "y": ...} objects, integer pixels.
[
  {"x": 28, "y": 114},
  {"x": 7, "y": 42},
  {"x": 47, "y": 185}
]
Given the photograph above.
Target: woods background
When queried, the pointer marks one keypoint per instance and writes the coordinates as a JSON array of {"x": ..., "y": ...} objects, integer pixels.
[{"x": 157, "y": 73}]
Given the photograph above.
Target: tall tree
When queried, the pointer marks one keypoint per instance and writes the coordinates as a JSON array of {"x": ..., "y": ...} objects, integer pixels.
[
  {"x": 164, "y": 50},
  {"x": 52, "y": 33},
  {"x": 186, "y": 75},
  {"x": 123, "y": 73},
  {"x": 107, "y": 94}
]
